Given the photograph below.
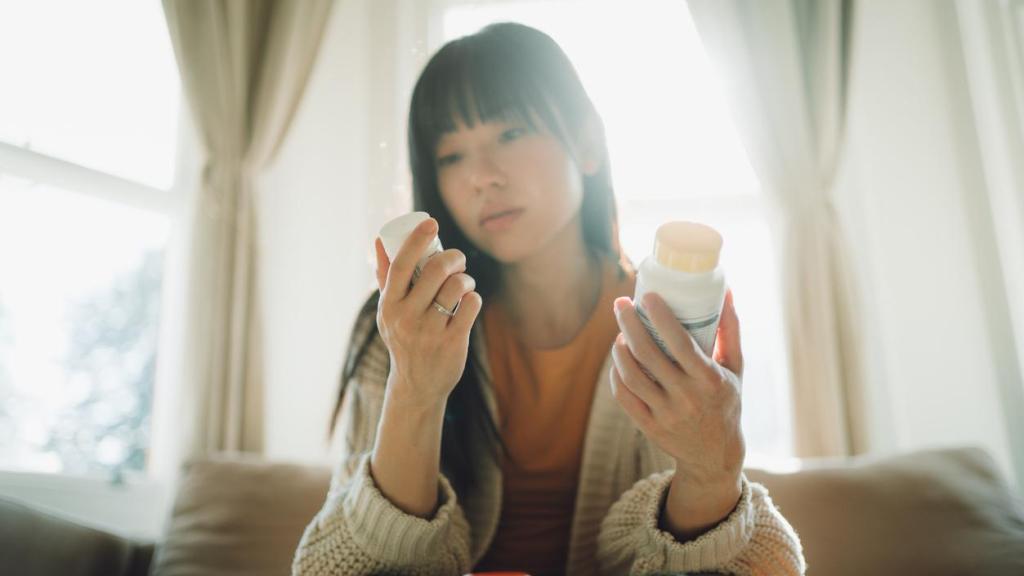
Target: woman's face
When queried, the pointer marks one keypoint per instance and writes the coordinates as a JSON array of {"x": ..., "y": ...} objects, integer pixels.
[{"x": 504, "y": 167}]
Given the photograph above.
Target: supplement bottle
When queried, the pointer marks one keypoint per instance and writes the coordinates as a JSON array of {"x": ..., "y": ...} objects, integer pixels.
[
  {"x": 394, "y": 232},
  {"x": 684, "y": 271}
]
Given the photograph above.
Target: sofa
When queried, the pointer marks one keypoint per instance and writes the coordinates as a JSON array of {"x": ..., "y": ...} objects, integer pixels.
[{"x": 936, "y": 512}]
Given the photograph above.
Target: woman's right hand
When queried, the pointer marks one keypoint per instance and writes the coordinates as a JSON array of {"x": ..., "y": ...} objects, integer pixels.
[{"x": 428, "y": 349}]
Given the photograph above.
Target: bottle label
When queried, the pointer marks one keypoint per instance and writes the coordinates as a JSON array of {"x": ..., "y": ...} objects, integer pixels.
[{"x": 703, "y": 331}]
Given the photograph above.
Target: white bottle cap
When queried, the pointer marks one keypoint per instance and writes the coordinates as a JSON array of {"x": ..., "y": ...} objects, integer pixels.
[
  {"x": 687, "y": 246},
  {"x": 394, "y": 232}
]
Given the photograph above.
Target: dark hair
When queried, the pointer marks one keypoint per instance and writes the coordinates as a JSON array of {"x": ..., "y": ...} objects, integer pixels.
[{"x": 505, "y": 71}]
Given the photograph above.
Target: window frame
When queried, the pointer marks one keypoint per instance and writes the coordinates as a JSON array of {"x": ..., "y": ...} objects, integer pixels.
[{"x": 52, "y": 171}]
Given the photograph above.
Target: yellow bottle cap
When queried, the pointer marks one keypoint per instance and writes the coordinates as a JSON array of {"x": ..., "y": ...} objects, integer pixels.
[{"x": 687, "y": 246}]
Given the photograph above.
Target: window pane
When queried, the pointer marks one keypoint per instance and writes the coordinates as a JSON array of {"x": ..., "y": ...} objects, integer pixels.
[
  {"x": 94, "y": 83},
  {"x": 79, "y": 304}
]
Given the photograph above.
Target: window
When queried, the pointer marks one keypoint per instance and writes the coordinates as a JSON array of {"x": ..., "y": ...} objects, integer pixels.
[
  {"x": 88, "y": 132},
  {"x": 91, "y": 83},
  {"x": 675, "y": 156}
]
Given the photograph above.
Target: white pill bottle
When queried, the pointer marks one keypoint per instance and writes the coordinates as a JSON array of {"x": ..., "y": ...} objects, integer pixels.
[
  {"x": 684, "y": 271},
  {"x": 394, "y": 232}
]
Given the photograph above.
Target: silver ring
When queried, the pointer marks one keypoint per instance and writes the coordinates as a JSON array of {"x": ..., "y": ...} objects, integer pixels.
[{"x": 443, "y": 310}]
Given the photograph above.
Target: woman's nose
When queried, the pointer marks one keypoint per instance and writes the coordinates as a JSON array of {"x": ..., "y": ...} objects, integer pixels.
[{"x": 486, "y": 173}]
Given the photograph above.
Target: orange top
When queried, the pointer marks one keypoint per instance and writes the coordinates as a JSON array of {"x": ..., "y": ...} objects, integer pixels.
[{"x": 544, "y": 398}]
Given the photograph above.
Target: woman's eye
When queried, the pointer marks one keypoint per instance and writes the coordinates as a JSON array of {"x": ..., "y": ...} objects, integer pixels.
[
  {"x": 447, "y": 160},
  {"x": 512, "y": 134}
]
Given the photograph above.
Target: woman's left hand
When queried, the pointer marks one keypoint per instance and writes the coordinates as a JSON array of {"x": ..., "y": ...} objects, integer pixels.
[{"x": 690, "y": 409}]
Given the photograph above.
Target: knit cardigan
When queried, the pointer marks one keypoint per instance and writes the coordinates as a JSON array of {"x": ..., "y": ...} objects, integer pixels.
[{"x": 624, "y": 479}]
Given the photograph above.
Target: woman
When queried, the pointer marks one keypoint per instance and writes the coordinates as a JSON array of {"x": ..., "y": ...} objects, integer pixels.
[{"x": 488, "y": 425}]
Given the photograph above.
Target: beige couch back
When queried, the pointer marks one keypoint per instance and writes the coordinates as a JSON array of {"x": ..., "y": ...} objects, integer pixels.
[{"x": 937, "y": 512}]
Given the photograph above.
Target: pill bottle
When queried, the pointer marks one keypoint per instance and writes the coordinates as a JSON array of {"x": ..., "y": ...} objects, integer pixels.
[
  {"x": 684, "y": 271},
  {"x": 394, "y": 232}
]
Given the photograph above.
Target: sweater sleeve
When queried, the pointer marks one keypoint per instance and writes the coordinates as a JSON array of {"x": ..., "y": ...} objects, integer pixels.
[
  {"x": 358, "y": 530},
  {"x": 753, "y": 539}
]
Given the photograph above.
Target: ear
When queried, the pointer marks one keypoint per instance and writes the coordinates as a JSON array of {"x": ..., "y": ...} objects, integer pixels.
[{"x": 589, "y": 145}]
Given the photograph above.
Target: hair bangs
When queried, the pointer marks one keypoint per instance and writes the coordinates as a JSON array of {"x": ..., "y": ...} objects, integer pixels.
[{"x": 480, "y": 82}]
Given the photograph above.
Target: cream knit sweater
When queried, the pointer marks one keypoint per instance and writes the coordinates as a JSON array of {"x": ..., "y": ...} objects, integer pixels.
[{"x": 623, "y": 482}]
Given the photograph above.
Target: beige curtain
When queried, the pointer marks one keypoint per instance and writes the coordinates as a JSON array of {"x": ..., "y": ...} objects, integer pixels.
[
  {"x": 244, "y": 66},
  {"x": 784, "y": 65}
]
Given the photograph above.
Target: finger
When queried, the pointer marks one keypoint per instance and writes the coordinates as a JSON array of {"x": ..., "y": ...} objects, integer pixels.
[
  {"x": 680, "y": 344},
  {"x": 401, "y": 269},
  {"x": 630, "y": 402},
  {"x": 382, "y": 263},
  {"x": 435, "y": 273},
  {"x": 449, "y": 296},
  {"x": 728, "y": 349},
  {"x": 641, "y": 344},
  {"x": 634, "y": 378},
  {"x": 465, "y": 316}
]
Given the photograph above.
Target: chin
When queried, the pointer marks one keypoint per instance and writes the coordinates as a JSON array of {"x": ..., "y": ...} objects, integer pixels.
[
  {"x": 506, "y": 257},
  {"x": 510, "y": 250}
]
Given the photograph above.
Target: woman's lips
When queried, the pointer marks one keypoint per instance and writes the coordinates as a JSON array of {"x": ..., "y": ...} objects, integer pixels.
[{"x": 502, "y": 221}]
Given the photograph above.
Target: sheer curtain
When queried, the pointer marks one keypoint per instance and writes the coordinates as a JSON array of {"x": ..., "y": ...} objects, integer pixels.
[{"x": 784, "y": 64}]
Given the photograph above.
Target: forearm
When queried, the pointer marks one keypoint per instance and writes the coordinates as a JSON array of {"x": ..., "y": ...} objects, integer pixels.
[{"x": 406, "y": 456}]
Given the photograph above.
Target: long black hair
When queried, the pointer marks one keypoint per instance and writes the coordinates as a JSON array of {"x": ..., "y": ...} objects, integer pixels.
[{"x": 505, "y": 71}]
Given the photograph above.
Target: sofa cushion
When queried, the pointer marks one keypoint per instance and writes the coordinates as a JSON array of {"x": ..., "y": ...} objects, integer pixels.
[
  {"x": 35, "y": 543},
  {"x": 933, "y": 512},
  {"x": 238, "y": 514}
]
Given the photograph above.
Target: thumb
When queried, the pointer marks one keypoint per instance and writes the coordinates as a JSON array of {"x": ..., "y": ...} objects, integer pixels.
[
  {"x": 383, "y": 264},
  {"x": 728, "y": 351}
]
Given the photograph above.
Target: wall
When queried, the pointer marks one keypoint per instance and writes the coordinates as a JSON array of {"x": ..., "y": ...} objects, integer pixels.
[
  {"x": 312, "y": 257},
  {"x": 337, "y": 178}
]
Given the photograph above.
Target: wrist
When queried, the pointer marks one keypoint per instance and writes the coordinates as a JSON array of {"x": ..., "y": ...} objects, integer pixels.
[
  {"x": 690, "y": 510},
  {"x": 406, "y": 398},
  {"x": 414, "y": 420}
]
